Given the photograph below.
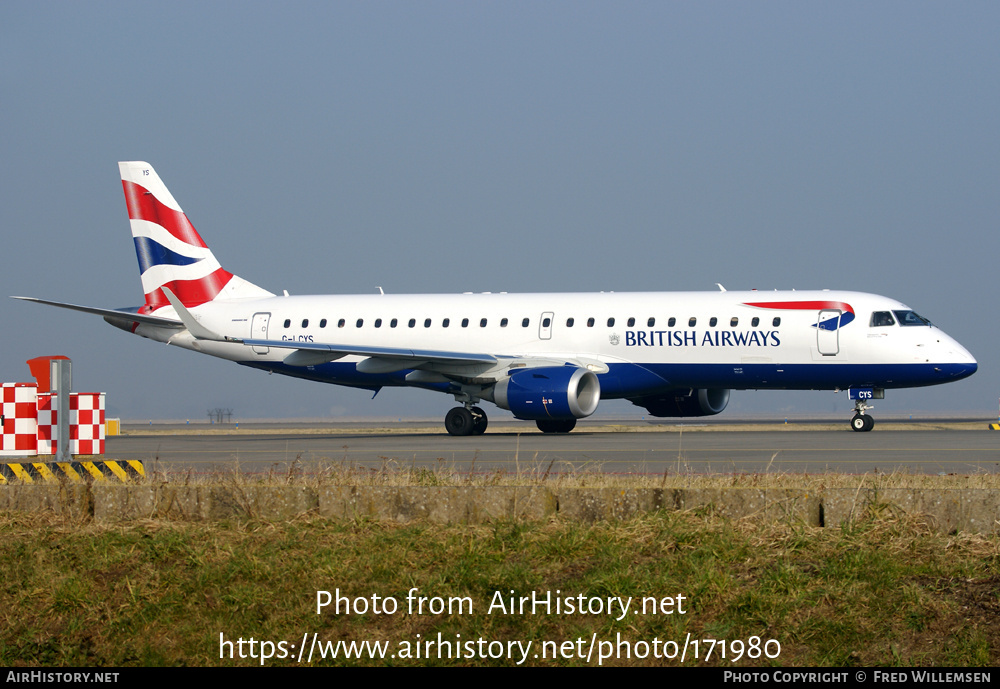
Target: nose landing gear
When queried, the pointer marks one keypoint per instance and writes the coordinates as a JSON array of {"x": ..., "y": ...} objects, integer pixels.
[
  {"x": 861, "y": 396},
  {"x": 861, "y": 421}
]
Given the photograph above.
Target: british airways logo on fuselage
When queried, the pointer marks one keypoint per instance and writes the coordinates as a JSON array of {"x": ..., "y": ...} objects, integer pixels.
[{"x": 827, "y": 316}]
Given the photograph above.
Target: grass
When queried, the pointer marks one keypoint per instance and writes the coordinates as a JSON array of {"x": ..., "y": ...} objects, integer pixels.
[
  {"x": 553, "y": 474},
  {"x": 887, "y": 590}
]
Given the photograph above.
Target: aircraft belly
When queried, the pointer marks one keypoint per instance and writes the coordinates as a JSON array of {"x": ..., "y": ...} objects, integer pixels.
[
  {"x": 809, "y": 376},
  {"x": 629, "y": 380}
]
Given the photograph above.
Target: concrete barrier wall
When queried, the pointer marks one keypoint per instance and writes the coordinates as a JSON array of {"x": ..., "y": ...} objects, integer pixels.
[{"x": 946, "y": 510}]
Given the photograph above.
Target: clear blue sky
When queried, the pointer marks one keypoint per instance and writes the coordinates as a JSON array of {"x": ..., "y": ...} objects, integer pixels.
[{"x": 485, "y": 146}]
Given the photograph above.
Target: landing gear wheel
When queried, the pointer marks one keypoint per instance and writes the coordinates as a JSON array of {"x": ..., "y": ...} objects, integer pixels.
[
  {"x": 555, "y": 425},
  {"x": 862, "y": 422},
  {"x": 459, "y": 421},
  {"x": 479, "y": 421}
]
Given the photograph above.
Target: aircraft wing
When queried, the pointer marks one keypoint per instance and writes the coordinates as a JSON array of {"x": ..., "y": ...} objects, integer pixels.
[
  {"x": 413, "y": 355},
  {"x": 122, "y": 314}
]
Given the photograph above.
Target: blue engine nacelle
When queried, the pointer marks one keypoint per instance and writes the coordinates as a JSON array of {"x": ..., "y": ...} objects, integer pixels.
[
  {"x": 685, "y": 402},
  {"x": 556, "y": 392}
]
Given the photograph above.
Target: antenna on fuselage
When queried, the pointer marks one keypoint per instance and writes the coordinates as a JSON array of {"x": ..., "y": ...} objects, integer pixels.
[
  {"x": 721, "y": 288},
  {"x": 379, "y": 288}
]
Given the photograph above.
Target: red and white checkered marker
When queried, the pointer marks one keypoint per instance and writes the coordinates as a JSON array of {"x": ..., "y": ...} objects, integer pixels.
[
  {"x": 20, "y": 419},
  {"x": 86, "y": 423}
]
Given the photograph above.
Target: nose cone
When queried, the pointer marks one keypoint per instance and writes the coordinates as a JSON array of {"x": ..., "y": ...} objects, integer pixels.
[{"x": 958, "y": 362}]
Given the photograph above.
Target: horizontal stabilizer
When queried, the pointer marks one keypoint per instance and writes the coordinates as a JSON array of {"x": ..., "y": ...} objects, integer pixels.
[{"x": 123, "y": 314}]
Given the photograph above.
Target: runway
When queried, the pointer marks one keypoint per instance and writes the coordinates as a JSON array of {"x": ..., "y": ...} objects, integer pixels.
[{"x": 636, "y": 448}]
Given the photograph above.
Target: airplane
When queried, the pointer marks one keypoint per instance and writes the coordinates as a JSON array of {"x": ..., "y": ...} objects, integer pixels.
[{"x": 547, "y": 358}]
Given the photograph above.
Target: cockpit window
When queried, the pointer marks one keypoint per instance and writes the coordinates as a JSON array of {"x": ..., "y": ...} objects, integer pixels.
[
  {"x": 881, "y": 319},
  {"x": 910, "y": 318}
]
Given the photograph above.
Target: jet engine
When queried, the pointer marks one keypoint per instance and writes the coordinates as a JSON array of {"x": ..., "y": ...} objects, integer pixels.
[
  {"x": 685, "y": 402},
  {"x": 556, "y": 392}
]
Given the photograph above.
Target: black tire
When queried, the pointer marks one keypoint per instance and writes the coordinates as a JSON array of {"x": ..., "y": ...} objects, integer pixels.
[
  {"x": 479, "y": 421},
  {"x": 556, "y": 425},
  {"x": 869, "y": 422},
  {"x": 858, "y": 423},
  {"x": 458, "y": 421}
]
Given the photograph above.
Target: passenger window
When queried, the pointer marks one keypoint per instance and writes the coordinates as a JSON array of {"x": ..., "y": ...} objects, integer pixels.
[
  {"x": 733, "y": 322},
  {"x": 590, "y": 322},
  {"x": 569, "y": 322},
  {"x": 503, "y": 322},
  {"x": 341, "y": 323},
  {"x": 412, "y": 323},
  {"x": 651, "y": 322},
  {"x": 482, "y": 322},
  {"x": 361, "y": 321},
  {"x": 378, "y": 322},
  {"x": 776, "y": 322},
  {"x": 692, "y": 321},
  {"x": 465, "y": 322},
  {"x": 712, "y": 322},
  {"x": 392, "y": 323},
  {"x": 524, "y": 323},
  {"x": 881, "y": 319},
  {"x": 546, "y": 322},
  {"x": 305, "y": 322},
  {"x": 611, "y": 322},
  {"x": 445, "y": 322},
  {"x": 288, "y": 322},
  {"x": 755, "y": 322},
  {"x": 322, "y": 323},
  {"x": 631, "y": 322},
  {"x": 427, "y": 322},
  {"x": 671, "y": 322}
]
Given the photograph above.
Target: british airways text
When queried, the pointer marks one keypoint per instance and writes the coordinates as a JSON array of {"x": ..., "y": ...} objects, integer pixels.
[{"x": 710, "y": 338}]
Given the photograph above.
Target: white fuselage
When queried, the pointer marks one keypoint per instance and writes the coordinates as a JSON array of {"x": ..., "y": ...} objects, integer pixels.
[{"x": 720, "y": 339}]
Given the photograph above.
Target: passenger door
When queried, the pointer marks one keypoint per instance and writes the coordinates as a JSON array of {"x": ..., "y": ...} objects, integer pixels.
[
  {"x": 828, "y": 332},
  {"x": 258, "y": 330}
]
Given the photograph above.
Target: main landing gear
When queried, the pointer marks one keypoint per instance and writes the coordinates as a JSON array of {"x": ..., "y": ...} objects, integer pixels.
[
  {"x": 861, "y": 421},
  {"x": 472, "y": 420},
  {"x": 468, "y": 420}
]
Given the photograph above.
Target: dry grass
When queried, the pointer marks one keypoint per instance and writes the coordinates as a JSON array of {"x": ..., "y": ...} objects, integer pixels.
[
  {"x": 885, "y": 591},
  {"x": 553, "y": 474}
]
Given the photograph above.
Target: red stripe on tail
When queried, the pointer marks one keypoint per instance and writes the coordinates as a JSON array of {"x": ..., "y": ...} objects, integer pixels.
[
  {"x": 190, "y": 292},
  {"x": 142, "y": 205}
]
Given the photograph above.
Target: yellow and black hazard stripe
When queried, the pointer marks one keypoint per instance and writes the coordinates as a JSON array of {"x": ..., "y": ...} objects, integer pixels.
[
  {"x": 102, "y": 470},
  {"x": 995, "y": 426},
  {"x": 88, "y": 470},
  {"x": 33, "y": 472}
]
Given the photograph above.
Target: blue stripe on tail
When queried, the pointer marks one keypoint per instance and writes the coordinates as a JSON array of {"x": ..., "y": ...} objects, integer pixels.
[{"x": 152, "y": 253}]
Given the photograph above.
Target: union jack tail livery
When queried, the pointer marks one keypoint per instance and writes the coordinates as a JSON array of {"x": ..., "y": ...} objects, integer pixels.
[{"x": 171, "y": 253}]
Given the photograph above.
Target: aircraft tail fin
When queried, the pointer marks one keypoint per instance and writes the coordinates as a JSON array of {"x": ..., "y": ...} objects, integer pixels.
[{"x": 171, "y": 253}]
